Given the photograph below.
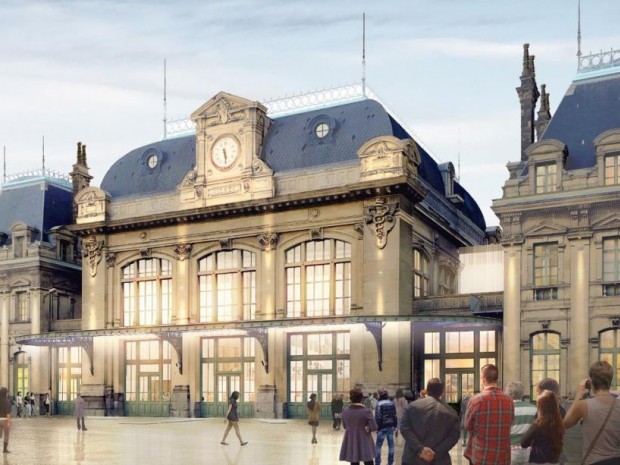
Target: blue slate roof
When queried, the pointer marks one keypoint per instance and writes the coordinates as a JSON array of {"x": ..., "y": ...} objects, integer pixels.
[
  {"x": 589, "y": 108},
  {"x": 290, "y": 144},
  {"x": 39, "y": 203}
]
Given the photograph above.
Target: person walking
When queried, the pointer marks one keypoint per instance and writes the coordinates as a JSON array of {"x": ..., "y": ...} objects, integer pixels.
[
  {"x": 430, "y": 428},
  {"x": 33, "y": 406},
  {"x": 314, "y": 413},
  {"x": 385, "y": 416},
  {"x": 600, "y": 415},
  {"x": 401, "y": 403},
  {"x": 524, "y": 417},
  {"x": 488, "y": 420},
  {"x": 19, "y": 402},
  {"x": 5, "y": 418},
  {"x": 358, "y": 422},
  {"x": 78, "y": 411},
  {"x": 337, "y": 406},
  {"x": 47, "y": 404},
  {"x": 545, "y": 435},
  {"x": 232, "y": 417}
]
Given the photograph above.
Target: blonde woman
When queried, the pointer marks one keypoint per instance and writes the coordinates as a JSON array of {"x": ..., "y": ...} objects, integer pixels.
[{"x": 314, "y": 412}]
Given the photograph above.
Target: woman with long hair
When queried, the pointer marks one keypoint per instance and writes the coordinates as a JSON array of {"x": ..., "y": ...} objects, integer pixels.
[
  {"x": 358, "y": 421},
  {"x": 401, "y": 404},
  {"x": 546, "y": 434},
  {"x": 314, "y": 413},
  {"x": 232, "y": 417}
]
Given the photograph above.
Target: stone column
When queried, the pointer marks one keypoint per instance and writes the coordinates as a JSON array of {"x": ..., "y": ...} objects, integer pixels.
[
  {"x": 182, "y": 284},
  {"x": 36, "y": 380},
  {"x": 578, "y": 352},
  {"x": 511, "y": 366}
]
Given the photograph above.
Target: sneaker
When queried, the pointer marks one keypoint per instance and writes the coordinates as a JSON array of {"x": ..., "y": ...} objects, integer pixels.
[
  {"x": 224, "y": 443},
  {"x": 244, "y": 443}
]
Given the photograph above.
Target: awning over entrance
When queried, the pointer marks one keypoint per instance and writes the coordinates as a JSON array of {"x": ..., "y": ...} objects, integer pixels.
[{"x": 257, "y": 329}]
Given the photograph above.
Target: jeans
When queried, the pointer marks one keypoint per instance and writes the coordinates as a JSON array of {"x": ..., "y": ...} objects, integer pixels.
[{"x": 381, "y": 435}]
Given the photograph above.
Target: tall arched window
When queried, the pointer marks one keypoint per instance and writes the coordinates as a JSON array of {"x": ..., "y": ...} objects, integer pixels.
[
  {"x": 318, "y": 278},
  {"x": 147, "y": 292},
  {"x": 545, "y": 357},
  {"x": 421, "y": 275},
  {"x": 609, "y": 351},
  {"x": 227, "y": 286}
]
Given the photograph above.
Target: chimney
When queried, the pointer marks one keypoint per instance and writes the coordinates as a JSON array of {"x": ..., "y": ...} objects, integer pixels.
[
  {"x": 80, "y": 177},
  {"x": 528, "y": 96},
  {"x": 544, "y": 114}
]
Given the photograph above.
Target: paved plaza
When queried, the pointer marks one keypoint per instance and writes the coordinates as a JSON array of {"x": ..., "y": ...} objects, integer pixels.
[{"x": 159, "y": 441}]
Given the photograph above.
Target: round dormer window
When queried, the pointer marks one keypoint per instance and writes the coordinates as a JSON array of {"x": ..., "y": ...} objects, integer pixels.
[
  {"x": 152, "y": 161},
  {"x": 321, "y": 130}
]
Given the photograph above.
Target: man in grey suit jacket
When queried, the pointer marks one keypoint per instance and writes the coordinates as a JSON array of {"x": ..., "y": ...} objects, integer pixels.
[{"x": 430, "y": 428}]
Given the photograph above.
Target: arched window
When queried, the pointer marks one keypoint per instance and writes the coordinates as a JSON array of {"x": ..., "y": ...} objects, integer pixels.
[
  {"x": 227, "y": 286},
  {"x": 318, "y": 278},
  {"x": 147, "y": 292},
  {"x": 609, "y": 351},
  {"x": 421, "y": 275},
  {"x": 545, "y": 357}
]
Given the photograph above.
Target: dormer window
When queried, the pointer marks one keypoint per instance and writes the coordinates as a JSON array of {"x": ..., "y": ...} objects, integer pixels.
[
  {"x": 321, "y": 130},
  {"x": 546, "y": 178},
  {"x": 152, "y": 161},
  {"x": 612, "y": 166}
]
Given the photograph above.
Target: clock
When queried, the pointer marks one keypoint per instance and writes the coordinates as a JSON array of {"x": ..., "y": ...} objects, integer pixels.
[{"x": 225, "y": 152}]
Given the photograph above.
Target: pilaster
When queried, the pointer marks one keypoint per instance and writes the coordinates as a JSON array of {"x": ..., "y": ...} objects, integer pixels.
[
  {"x": 511, "y": 365},
  {"x": 578, "y": 352}
]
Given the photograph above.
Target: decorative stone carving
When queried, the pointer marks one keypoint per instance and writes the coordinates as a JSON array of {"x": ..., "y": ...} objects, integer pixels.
[
  {"x": 225, "y": 244},
  {"x": 268, "y": 241},
  {"x": 110, "y": 259},
  {"x": 145, "y": 252},
  {"x": 183, "y": 250},
  {"x": 387, "y": 156},
  {"x": 316, "y": 234},
  {"x": 380, "y": 217},
  {"x": 92, "y": 205},
  {"x": 359, "y": 229},
  {"x": 92, "y": 253}
]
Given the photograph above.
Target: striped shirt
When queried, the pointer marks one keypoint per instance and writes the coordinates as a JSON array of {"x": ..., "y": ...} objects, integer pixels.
[
  {"x": 488, "y": 418},
  {"x": 524, "y": 416}
]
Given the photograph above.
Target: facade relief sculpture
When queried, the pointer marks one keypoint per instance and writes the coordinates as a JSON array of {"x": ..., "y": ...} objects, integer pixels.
[{"x": 380, "y": 219}]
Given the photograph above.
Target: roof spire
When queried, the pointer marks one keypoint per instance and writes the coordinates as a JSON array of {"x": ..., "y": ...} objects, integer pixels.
[
  {"x": 165, "y": 103},
  {"x": 43, "y": 155},
  {"x": 578, "y": 28},
  {"x": 364, "y": 54}
]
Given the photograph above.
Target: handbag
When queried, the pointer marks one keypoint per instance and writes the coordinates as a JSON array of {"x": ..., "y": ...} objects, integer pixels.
[{"x": 606, "y": 461}]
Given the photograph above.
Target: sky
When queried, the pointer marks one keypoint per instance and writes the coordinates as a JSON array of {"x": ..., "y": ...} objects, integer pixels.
[{"x": 93, "y": 71}]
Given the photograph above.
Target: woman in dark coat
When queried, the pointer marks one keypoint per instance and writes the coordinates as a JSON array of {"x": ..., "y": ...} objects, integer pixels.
[
  {"x": 358, "y": 422},
  {"x": 232, "y": 417}
]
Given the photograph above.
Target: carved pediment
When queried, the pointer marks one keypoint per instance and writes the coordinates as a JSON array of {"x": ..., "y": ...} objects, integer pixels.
[
  {"x": 547, "y": 229},
  {"x": 224, "y": 108},
  {"x": 92, "y": 205},
  {"x": 609, "y": 222},
  {"x": 388, "y": 156},
  {"x": 21, "y": 282}
]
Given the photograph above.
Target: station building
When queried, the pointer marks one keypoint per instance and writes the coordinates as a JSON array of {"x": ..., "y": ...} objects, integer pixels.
[{"x": 277, "y": 254}]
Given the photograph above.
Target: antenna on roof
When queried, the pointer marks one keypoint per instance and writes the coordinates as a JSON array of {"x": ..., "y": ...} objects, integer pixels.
[
  {"x": 4, "y": 164},
  {"x": 364, "y": 54},
  {"x": 458, "y": 172},
  {"x": 43, "y": 154},
  {"x": 165, "y": 100},
  {"x": 578, "y": 28}
]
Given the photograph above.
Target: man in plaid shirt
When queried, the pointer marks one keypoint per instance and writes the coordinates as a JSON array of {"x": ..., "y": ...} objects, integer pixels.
[{"x": 488, "y": 420}]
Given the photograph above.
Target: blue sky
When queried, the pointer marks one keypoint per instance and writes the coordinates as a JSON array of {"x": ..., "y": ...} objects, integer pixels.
[{"x": 92, "y": 71}]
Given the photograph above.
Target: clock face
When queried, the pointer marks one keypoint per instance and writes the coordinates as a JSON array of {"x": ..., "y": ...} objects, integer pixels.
[{"x": 225, "y": 152}]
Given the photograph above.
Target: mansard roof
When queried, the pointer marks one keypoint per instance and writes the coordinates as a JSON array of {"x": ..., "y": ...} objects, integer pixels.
[
  {"x": 589, "y": 108},
  {"x": 289, "y": 145},
  {"x": 39, "y": 202}
]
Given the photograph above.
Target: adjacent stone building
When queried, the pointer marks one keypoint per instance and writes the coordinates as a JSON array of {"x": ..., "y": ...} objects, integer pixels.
[{"x": 561, "y": 229}]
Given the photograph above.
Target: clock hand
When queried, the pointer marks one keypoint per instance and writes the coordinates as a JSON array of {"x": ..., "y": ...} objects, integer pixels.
[{"x": 225, "y": 156}]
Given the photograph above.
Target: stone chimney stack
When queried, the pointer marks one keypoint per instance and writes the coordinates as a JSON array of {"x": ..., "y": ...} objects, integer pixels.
[
  {"x": 528, "y": 96},
  {"x": 544, "y": 114},
  {"x": 80, "y": 177}
]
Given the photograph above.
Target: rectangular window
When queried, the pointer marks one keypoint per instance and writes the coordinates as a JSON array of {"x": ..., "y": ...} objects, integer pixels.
[
  {"x": 546, "y": 266},
  {"x": 487, "y": 341},
  {"x": 459, "y": 342},
  {"x": 612, "y": 176},
  {"x": 611, "y": 266},
  {"x": 546, "y": 178},
  {"x": 69, "y": 373},
  {"x": 431, "y": 343},
  {"x": 431, "y": 370},
  {"x": 21, "y": 305}
]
